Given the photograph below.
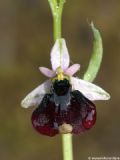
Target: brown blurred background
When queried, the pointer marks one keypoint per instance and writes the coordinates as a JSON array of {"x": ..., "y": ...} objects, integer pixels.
[{"x": 25, "y": 43}]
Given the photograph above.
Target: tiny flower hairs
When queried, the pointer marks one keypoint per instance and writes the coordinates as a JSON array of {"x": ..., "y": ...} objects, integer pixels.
[{"x": 63, "y": 102}]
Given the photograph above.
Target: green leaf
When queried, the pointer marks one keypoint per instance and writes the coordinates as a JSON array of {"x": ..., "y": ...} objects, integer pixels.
[{"x": 96, "y": 58}]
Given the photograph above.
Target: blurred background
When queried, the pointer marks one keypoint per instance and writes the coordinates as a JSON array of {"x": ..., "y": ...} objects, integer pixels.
[{"x": 26, "y": 39}]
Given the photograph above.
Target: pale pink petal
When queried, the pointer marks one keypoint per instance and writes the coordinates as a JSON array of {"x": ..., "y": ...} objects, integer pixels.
[
  {"x": 60, "y": 55},
  {"x": 35, "y": 97},
  {"x": 89, "y": 90},
  {"x": 47, "y": 72},
  {"x": 72, "y": 69}
]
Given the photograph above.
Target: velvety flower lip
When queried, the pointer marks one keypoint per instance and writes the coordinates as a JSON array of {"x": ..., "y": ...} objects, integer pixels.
[{"x": 80, "y": 115}]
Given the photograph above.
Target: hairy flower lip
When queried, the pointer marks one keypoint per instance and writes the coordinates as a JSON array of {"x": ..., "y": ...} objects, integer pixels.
[{"x": 50, "y": 120}]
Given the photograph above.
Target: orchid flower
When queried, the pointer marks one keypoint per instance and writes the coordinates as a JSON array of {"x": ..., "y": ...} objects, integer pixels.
[{"x": 63, "y": 101}]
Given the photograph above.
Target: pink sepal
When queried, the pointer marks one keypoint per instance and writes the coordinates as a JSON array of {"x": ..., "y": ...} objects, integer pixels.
[
  {"x": 47, "y": 72},
  {"x": 72, "y": 69}
]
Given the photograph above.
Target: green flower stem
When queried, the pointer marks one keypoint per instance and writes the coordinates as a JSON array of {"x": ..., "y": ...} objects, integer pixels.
[
  {"x": 96, "y": 58},
  {"x": 67, "y": 146},
  {"x": 57, "y": 8},
  {"x": 93, "y": 67}
]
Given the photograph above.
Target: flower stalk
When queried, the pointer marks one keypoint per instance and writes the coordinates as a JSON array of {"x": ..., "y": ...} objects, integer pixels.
[
  {"x": 67, "y": 146},
  {"x": 93, "y": 67},
  {"x": 57, "y": 9}
]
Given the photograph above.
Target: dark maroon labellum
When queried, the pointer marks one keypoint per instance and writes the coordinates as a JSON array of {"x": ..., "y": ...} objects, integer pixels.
[{"x": 63, "y": 106}]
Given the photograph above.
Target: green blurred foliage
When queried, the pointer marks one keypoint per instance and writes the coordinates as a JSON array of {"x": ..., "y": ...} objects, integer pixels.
[{"x": 25, "y": 43}]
